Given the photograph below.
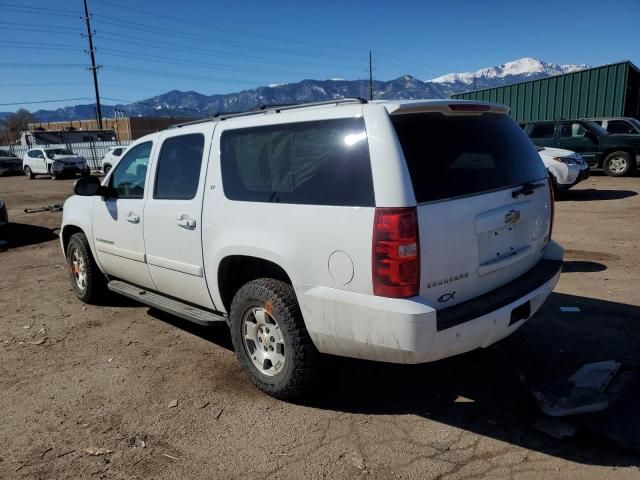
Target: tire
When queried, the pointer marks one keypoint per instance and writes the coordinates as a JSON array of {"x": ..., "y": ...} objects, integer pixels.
[
  {"x": 618, "y": 164},
  {"x": 272, "y": 306},
  {"x": 29, "y": 174},
  {"x": 106, "y": 169},
  {"x": 81, "y": 262},
  {"x": 85, "y": 173},
  {"x": 53, "y": 175}
]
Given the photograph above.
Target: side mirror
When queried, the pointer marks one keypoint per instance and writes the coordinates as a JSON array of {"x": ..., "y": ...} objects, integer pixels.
[{"x": 87, "y": 186}]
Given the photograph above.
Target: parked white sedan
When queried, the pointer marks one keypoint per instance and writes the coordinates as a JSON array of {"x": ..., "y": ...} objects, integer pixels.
[{"x": 567, "y": 168}]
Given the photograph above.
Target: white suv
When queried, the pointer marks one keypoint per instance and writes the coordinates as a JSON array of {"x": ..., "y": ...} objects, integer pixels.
[
  {"x": 112, "y": 157},
  {"x": 53, "y": 161},
  {"x": 394, "y": 231}
]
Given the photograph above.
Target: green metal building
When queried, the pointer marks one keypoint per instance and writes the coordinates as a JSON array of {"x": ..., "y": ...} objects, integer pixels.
[{"x": 606, "y": 91}]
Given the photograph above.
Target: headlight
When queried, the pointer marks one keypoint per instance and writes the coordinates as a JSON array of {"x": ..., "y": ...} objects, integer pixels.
[{"x": 565, "y": 160}]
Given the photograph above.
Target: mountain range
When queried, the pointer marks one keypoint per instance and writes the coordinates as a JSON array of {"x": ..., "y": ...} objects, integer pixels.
[{"x": 194, "y": 104}]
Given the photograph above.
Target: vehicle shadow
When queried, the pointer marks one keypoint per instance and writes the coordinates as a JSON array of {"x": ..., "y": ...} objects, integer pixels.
[
  {"x": 487, "y": 392},
  {"x": 582, "y": 266},
  {"x": 591, "y": 194},
  {"x": 219, "y": 335},
  {"x": 22, "y": 234}
]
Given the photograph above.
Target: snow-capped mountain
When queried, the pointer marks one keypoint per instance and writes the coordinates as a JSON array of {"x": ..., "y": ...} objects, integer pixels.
[
  {"x": 506, "y": 73},
  {"x": 194, "y": 104}
]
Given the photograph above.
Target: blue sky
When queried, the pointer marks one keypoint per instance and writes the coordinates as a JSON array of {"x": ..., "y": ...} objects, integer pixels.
[{"x": 148, "y": 47}]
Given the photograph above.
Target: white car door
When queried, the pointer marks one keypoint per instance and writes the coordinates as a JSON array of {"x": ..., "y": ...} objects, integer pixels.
[
  {"x": 173, "y": 214},
  {"x": 39, "y": 162},
  {"x": 118, "y": 221}
]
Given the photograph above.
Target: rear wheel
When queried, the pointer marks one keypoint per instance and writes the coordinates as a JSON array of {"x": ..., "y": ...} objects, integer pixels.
[
  {"x": 618, "y": 164},
  {"x": 86, "y": 278},
  {"x": 28, "y": 173},
  {"x": 271, "y": 340}
]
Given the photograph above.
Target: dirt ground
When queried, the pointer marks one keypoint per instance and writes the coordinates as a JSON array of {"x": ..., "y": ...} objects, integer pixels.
[{"x": 74, "y": 377}]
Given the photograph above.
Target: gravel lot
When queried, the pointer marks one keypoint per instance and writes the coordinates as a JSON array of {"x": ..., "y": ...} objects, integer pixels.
[{"x": 74, "y": 377}]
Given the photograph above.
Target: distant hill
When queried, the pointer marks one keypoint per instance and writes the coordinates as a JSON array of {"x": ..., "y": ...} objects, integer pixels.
[{"x": 194, "y": 104}]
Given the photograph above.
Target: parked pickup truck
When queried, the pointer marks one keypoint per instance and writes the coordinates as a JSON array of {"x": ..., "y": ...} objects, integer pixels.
[
  {"x": 617, "y": 155},
  {"x": 394, "y": 231}
]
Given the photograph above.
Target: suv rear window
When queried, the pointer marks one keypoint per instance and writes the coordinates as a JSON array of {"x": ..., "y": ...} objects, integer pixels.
[
  {"x": 452, "y": 156},
  {"x": 322, "y": 162}
]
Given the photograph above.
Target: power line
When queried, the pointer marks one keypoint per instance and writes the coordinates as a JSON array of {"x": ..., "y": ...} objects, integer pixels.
[
  {"x": 230, "y": 43},
  {"x": 44, "y": 101},
  {"x": 36, "y": 11},
  {"x": 207, "y": 26}
]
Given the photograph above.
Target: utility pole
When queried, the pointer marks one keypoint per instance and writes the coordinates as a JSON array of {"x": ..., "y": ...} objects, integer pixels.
[
  {"x": 370, "y": 77},
  {"x": 94, "y": 68}
]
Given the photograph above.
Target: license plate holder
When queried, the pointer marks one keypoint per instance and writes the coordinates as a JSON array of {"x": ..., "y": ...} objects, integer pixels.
[{"x": 521, "y": 312}]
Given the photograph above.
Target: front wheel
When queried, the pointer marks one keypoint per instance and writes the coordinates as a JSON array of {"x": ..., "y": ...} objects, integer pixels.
[
  {"x": 28, "y": 173},
  {"x": 271, "y": 340},
  {"x": 106, "y": 169},
  {"x": 86, "y": 278},
  {"x": 618, "y": 164}
]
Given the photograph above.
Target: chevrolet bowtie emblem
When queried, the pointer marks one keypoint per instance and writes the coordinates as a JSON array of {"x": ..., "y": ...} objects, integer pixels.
[{"x": 512, "y": 216}]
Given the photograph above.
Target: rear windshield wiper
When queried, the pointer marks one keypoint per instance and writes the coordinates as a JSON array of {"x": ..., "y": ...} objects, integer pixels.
[{"x": 526, "y": 189}]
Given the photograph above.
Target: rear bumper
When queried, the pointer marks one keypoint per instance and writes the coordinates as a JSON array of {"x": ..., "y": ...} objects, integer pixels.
[{"x": 411, "y": 331}]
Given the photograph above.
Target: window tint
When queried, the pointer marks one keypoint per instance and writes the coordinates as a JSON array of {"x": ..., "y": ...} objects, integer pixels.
[
  {"x": 452, "y": 156},
  {"x": 542, "y": 130},
  {"x": 179, "y": 165},
  {"x": 619, "y": 126},
  {"x": 117, "y": 152},
  {"x": 129, "y": 176},
  {"x": 317, "y": 163},
  {"x": 572, "y": 129}
]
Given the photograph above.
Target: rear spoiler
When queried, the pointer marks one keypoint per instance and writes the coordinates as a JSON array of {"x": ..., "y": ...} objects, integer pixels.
[{"x": 447, "y": 107}]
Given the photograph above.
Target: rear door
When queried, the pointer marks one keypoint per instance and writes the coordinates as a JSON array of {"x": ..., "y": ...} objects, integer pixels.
[
  {"x": 478, "y": 227},
  {"x": 542, "y": 134},
  {"x": 576, "y": 136},
  {"x": 173, "y": 214}
]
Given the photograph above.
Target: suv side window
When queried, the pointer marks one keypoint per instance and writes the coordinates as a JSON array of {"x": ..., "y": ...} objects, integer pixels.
[
  {"x": 572, "y": 129},
  {"x": 117, "y": 152},
  {"x": 542, "y": 130},
  {"x": 178, "y": 171},
  {"x": 129, "y": 176},
  {"x": 323, "y": 162},
  {"x": 34, "y": 153},
  {"x": 619, "y": 126}
]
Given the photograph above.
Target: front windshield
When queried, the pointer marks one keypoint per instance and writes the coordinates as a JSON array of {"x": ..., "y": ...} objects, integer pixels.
[
  {"x": 593, "y": 126},
  {"x": 58, "y": 151}
]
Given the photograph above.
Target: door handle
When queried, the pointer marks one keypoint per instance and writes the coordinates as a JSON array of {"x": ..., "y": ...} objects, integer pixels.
[
  {"x": 185, "y": 222},
  {"x": 133, "y": 218}
]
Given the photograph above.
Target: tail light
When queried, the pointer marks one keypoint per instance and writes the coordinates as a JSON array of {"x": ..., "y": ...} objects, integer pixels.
[
  {"x": 552, "y": 199},
  {"x": 396, "y": 253}
]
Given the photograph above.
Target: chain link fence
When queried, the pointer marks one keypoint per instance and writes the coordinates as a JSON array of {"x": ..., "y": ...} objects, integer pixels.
[{"x": 93, "y": 152}]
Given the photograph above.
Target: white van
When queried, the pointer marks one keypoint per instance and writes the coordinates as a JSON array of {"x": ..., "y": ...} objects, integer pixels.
[{"x": 394, "y": 231}]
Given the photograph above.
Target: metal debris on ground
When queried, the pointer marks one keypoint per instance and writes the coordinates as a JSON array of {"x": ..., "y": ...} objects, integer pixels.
[
  {"x": 600, "y": 398},
  {"x": 54, "y": 207},
  {"x": 583, "y": 392}
]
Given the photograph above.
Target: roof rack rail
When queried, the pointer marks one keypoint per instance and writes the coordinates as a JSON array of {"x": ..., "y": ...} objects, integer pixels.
[{"x": 264, "y": 108}]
